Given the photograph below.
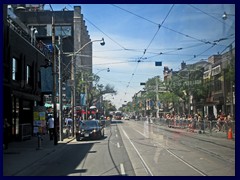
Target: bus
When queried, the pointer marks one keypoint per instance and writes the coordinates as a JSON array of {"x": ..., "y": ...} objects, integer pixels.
[{"x": 118, "y": 115}]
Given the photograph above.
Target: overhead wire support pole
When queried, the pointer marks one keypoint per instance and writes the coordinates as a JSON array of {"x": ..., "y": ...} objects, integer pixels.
[
  {"x": 60, "y": 88},
  {"x": 54, "y": 82},
  {"x": 73, "y": 83},
  {"x": 73, "y": 91},
  {"x": 157, "y": 97}
]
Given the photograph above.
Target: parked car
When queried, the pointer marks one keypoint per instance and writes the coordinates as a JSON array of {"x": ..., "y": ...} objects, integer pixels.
[{"x": 89, "y": 129}]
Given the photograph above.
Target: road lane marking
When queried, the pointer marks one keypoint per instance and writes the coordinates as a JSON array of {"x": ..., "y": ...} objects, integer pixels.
[
  {"x": 122, "y": 169},
  {"x": 118, "y": 145},
  {"x": 144, "y": 163},
  {"x": 116, "y": 135}
]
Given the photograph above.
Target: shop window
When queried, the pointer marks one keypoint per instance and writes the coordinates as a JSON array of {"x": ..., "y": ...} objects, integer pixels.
[
  {"x": 29, "y": 75},
  {"x": 15, "y": 69}
]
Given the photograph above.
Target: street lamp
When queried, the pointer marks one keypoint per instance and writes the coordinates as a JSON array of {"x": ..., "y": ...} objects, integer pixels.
[
  {"x": 73, "y": 61},
  {"x": 225, "y": 15},
  {"x": 108, "y": 70}
]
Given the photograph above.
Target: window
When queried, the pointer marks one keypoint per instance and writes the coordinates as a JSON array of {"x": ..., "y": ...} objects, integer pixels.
[
  {"x": 63, "y": 30},
  {"x": 216, "y": 70},
  {"x": 28, "y": 77},
  {"x": 14, "y": 69}
]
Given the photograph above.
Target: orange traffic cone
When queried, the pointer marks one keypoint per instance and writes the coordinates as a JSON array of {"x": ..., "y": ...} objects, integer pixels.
[{"x": 230, "y": 135}]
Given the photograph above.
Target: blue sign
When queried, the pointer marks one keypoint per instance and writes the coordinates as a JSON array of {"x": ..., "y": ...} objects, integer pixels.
[
  {"x": 158, "y": 63},
  {"x": 83, "y": 99}
]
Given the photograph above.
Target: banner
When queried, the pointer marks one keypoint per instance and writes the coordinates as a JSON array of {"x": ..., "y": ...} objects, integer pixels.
[{"x": 83, "y": 99}]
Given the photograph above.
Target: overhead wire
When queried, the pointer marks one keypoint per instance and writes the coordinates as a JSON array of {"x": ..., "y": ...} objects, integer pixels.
[
  {"x": 159, "y": 26},
  {"x": 205, "y": 42},
  {"x": 221, "y": 21},
  {"x": 145, "y": 50}
]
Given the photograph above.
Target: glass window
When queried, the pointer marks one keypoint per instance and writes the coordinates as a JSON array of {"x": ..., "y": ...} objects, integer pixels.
[
  {"x": 14, "y": 69},
  {"x": 63, "y": 30},
  {"x": 28, "y": 77}
]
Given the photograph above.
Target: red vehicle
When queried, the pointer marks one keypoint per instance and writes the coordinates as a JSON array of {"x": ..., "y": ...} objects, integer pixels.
[{"x": 118, "y": 115}]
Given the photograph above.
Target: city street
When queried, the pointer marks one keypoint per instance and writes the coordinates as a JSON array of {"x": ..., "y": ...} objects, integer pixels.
[
  {"x": 105, "y": 157},
  {"x": 128, "y": 91},
  {"x": 137, "y": 148}
]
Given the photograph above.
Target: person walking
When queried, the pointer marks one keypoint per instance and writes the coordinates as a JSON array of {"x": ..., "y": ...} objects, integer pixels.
[{"x": 51, "y": 127}]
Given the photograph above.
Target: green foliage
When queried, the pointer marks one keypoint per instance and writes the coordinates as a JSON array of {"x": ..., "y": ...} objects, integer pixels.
[{"x": 85, "y": 82}]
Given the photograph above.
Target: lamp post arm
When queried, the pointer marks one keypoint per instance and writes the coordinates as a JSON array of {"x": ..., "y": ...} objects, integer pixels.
[{"x": 86, "y": 45}]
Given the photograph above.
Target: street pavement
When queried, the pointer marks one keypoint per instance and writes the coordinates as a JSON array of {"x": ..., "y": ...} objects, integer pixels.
[{"x": 22, "y": 154}]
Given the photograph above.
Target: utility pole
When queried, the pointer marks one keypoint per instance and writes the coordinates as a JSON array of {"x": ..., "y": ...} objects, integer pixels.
[
  {"x": 157, "y": 97},
  {"x": 60, "y": 88},
  {"x": 54, "y": 81},
  {"x": 86, "y": 100},
  {"x": 232, "y": 62},
  {"x": 73, "y": 92}
]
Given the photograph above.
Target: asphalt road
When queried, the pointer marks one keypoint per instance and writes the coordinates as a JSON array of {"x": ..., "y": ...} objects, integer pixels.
[
  {"x": 137, "y": 148},
  {"x": 157, "y": 151},
  {"x": 104, "y": 157}
]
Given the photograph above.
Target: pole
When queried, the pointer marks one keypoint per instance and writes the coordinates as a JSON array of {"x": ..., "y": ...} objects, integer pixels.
[
  {"x": 86, "y": 100},
  {"x": 189, "y": 96},
  {"x": 157, "y": 115},
  {"x": 60, "y": 89},
  {"x": 73, "y": 92},
  {"x": 54, "y": 82}
]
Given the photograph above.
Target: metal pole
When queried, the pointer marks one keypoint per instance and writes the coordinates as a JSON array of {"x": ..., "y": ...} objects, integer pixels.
[
  {"x": 189, "y": 104},
  {"x": 60, "y": 89},
  {"x": 73, "y": 92},
  {"x": 157, "y": 115},
  {"x": 54, "y": 82},
  {"x": 86, "y": 100}
]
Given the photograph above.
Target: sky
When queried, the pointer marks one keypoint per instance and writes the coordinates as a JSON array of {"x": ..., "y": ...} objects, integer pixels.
[{"x": 138, "y": 35}]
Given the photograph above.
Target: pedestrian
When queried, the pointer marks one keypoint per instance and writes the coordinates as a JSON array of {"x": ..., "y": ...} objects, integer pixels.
[
  {"x": 6, "y": 126},
  {"x": 51, "y": 127}
]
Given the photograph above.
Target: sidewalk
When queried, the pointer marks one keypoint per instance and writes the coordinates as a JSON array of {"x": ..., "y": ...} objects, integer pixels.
[
  {"x": 20, "y": 155},
  {"x": 214, "y": 137},
  {"x": 206, "y": 132}
]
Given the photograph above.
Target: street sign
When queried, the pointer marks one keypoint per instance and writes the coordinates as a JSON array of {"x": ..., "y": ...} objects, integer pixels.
[{"x": 158, "y": 63}]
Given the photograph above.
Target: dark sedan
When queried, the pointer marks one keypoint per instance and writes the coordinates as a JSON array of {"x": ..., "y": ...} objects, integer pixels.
[{"x": 90, "y": 129}]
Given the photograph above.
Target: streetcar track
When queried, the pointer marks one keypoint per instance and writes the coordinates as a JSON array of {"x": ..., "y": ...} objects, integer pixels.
[
  {"x": 187, "y": 135},
  {"x": 170, "y": 150},
  {"x": 147, "y": 169}
]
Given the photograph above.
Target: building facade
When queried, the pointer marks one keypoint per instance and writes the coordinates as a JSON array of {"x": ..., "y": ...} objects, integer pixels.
[
  {"x": 216, "y": 78},
  {"x": 22, "y": 63},
  {"x": 28, "y": 57}
]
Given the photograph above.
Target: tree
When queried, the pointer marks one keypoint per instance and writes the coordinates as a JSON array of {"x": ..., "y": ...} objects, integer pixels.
[{"x": 84, "y": 83}]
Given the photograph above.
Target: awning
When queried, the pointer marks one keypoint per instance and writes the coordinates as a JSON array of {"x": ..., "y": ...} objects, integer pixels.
[
  {"x": 48, "y": 105},
  {"x": 93, "y": 107}
]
